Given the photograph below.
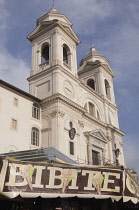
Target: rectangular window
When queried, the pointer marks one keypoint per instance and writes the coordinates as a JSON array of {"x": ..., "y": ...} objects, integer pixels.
[
  {"x": 71, "y": 148},
  {"x": 95, "y": 157},
  {"x": 14, "y": 124},
  {"x": 15, "y": 102},
  {"x": 36, "y": 111},
  {"x": 35, "y": 136}
]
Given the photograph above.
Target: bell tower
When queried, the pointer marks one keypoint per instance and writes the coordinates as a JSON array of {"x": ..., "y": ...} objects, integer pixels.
[
  {"x": 53, "y": 49},
  {"x": 97, "y": 74}
]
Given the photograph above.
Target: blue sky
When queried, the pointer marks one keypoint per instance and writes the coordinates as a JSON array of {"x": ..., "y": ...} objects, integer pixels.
[{"x": 112, "y": 26}]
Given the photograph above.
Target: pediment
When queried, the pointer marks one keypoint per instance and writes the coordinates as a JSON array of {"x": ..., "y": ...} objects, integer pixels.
[
  {"x": 69, "y": 30},
  {"x": 45, "y": 24},
  {"x": 108, "y": 68},
  {"x": 40, "y": 27},
  {"x": 98, "y": 134},
  {"x": 90, "y": 65}
]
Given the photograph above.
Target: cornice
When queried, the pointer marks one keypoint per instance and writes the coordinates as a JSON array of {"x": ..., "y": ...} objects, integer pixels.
[
  {"x": 68, "y": 102},
  {"x": 39, "y": 33},
  {"x": 43, "y": 72},
  {"x": 113, "y": 128},
  {"x": 78, "y": 108},
  {"x": 90, "y": 65},
  {"x": 75, "y": 78},
  {"x": 64, "y": 99},
  {"x": 54, "y": 26},
  {"x": 74, "y": 37}
]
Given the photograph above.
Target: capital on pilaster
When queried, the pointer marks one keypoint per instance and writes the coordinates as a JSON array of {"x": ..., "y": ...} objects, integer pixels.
[{"x": 56, "y": 113}]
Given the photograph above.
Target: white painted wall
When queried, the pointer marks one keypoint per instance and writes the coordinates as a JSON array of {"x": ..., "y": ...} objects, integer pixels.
[{"x": 19, "y": 139}]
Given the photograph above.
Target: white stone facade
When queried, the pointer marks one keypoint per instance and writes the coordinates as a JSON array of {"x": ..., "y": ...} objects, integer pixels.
[{"x": 81, "y": 99}]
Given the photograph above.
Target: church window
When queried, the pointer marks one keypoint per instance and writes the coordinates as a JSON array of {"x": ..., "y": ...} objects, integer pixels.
[
  {"x": 107, "y": 89},
  {"x": 71, "y": 144},
  {"x": 91, "y": 83},
  {"x": 36, "y": 111},
  {"x": 66, "y": 54},
  {"x": 72, "y": 133},
  {"x": 35, "y": 136},
  {"x": 95, "y": 157},
  {"x": 45, "y": 54},
  {"x": 90, "y": 108},
  {"x": 14, "y": 124}
]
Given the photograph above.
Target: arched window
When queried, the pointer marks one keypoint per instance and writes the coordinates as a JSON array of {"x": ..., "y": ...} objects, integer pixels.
[
  {"x": 45, "y": 53},
  {"x": 97, "y": 61},
  {"x": 107, "y": 89},
  {"x": 91, "y": 83},
  {"x": 66, "y": 54},
  {"x": 36, "y": 111},
  {"x": 35, "y": 136},
  {"x": 90, "y": 108}
]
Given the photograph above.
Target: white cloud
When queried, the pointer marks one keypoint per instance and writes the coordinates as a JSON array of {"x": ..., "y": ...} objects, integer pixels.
[
  {"x": 3, "y": 24},
  {"x": 87, "y": 14},
  {"x": 13, "y": 70}
]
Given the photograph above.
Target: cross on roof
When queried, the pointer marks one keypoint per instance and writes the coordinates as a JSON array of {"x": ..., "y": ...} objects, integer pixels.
[{"x": 53, "y": 3}]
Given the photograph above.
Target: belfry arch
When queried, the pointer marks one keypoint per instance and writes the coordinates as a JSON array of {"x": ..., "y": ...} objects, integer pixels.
[
  {"x": 45, "y": 53},
  {"x": 91, "y": 83}
]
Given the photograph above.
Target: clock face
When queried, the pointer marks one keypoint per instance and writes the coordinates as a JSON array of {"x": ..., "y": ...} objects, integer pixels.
[{"x": 68, "y": 89}]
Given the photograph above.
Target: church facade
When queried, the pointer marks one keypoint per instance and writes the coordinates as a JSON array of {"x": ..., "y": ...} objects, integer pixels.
[{"x": 70, "y": 109}]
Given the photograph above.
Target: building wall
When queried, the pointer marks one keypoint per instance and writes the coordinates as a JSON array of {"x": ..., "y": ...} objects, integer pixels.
[{"x": 19, "y": 139}]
